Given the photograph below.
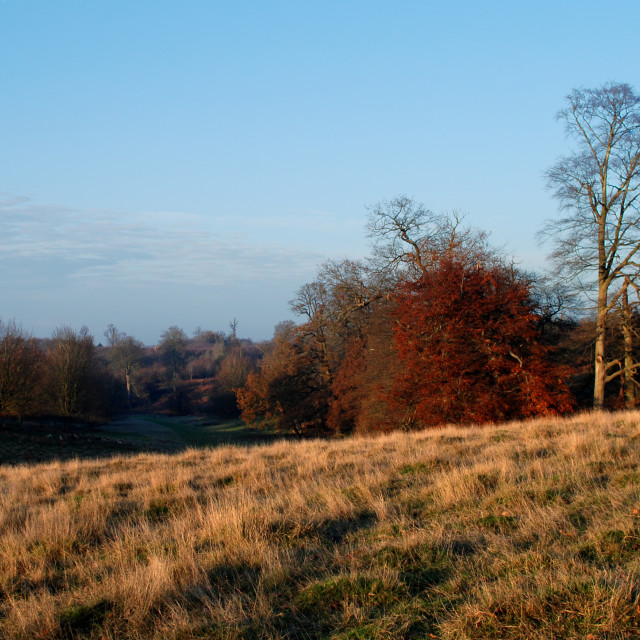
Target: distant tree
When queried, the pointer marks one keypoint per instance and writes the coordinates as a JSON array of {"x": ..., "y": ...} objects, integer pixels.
[
  {"x": 290, "y": 391},
  {"x": 311, "y": 301},
  {"x": 207, "y": 336},
  {"x": 173, "y": 347},
  {"x": 75, "y": 381},
  {"x": 597, "y": 241},
  {"x": 126, "y": 355},
  {"x": 628, "y": 313},
  {"x": 233, "y": 325},
  {"x": 234, "y": 369},
  {"x": 467, "y": 337},
  {"x": 20, "y": 370},
  {"x": 283, "y": 330}
]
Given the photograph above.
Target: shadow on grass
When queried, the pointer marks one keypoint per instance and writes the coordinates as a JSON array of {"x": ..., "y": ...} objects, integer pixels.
[{"x": 49, "y": 441}]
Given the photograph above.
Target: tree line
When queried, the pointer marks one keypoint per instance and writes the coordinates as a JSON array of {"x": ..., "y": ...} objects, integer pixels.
[
  {"x": 71, "y": 377},
  {"x": 435, "y": 326}
]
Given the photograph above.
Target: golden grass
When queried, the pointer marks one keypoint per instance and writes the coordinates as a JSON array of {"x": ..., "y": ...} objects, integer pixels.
[{"x": 525, "y": 530}]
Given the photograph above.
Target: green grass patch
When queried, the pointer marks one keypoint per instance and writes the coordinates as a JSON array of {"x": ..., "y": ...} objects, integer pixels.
[
  {"x": 79, "y": 620},
  {"x": 498, "y": 523},
  {"x": 417, "y": 467},
  {"x": 320, "y": 598},
  {"x": 625, "y": 479},
  {"x": 583, "y": 609},
  {"x": 207, "y": 432}
]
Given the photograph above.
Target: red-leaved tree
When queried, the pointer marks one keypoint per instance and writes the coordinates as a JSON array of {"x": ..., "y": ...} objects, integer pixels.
[
  {"x": 364, "y": 380},
  {"x": 468, "y": 339}
]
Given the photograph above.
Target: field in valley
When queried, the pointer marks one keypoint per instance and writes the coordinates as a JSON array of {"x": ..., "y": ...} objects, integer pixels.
[
  {"x": 35, "y": 442},
  {"x": 526, "y": 530}
]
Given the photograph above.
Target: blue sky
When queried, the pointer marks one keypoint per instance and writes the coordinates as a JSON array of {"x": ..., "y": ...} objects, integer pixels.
[{"x": 190, "y": 162}]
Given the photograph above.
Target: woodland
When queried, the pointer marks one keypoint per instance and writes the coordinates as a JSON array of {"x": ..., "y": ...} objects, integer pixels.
[
  {"x": 409, "y": 340},
  {"x": 436, "y": 326}
]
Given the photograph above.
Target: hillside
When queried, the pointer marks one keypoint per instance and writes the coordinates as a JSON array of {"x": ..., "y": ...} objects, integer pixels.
[{"x": 526, "y": 530}]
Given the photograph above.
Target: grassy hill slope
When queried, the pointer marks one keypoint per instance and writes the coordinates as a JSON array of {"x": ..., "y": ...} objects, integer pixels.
[{"x": 527, "y": 530}]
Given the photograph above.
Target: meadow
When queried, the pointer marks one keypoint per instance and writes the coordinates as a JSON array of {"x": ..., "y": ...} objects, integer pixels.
[
  {"x": 523, "y": 530},
  {"x": 40, "y": 441}
]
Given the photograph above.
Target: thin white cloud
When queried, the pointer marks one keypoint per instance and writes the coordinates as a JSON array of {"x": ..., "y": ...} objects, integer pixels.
[{"x": 145, "y": 247}]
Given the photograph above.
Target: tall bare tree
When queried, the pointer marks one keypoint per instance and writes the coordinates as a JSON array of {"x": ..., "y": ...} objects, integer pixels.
[
  {"x": 233, "y": 325},
  {"x": 126, "y": 355},
  {"x": 597, "y": 239}
]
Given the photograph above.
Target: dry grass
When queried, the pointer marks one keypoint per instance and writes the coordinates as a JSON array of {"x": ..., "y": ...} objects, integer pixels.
[{"x": 528, "y": 530}]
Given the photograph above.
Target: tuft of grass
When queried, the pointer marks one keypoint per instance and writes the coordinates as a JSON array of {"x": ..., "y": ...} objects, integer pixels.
[
  {"x": 323, "y": 597},
  {"x": 416, "y": 467},
  {"x": 498, "y": 523},
  {"x": 80, "y": 620}
]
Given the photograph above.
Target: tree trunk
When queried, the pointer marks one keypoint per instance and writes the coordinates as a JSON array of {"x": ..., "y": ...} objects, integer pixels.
[
  {"x": 600, "y": 349},
  {"x": 627, "y": 332},
  {"x": 629, "y": 386},
  {"x": 127, "y": 376}
]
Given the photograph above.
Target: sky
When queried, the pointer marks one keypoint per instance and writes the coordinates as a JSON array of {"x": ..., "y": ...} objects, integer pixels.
[{"x": 191, "y": 162}]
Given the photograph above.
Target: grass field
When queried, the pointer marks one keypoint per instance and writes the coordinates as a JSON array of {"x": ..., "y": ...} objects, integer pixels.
[
  {"x": 198, "y": 431},
  {"x": 527, "y": 530},
  {"x": 41, "y": 442}
]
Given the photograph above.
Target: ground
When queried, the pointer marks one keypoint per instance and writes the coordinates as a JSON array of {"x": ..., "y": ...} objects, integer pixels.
[{"x": 43, "y": 442}]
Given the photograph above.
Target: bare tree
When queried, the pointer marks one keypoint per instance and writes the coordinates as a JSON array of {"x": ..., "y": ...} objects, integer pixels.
[
  {"x": 335, "y": 305},
  {"x": 20, "y": 370},
  {"x": 173, "y": 346},
  {"x": 407, "y": 236},
  {"x": 73, "y": 372},
  {"x": 598, "y": 186},
  {"x": 234, "y": 369},
  {"x": 233, "y": 325},
  {"x": 126, "y": 355}
]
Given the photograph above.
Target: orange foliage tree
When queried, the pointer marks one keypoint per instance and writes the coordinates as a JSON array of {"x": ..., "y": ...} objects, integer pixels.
[
  {"x": 289, "y": 391},
  {"x": 363, "y": 382},
  {"x": 467, "y": 336}
]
